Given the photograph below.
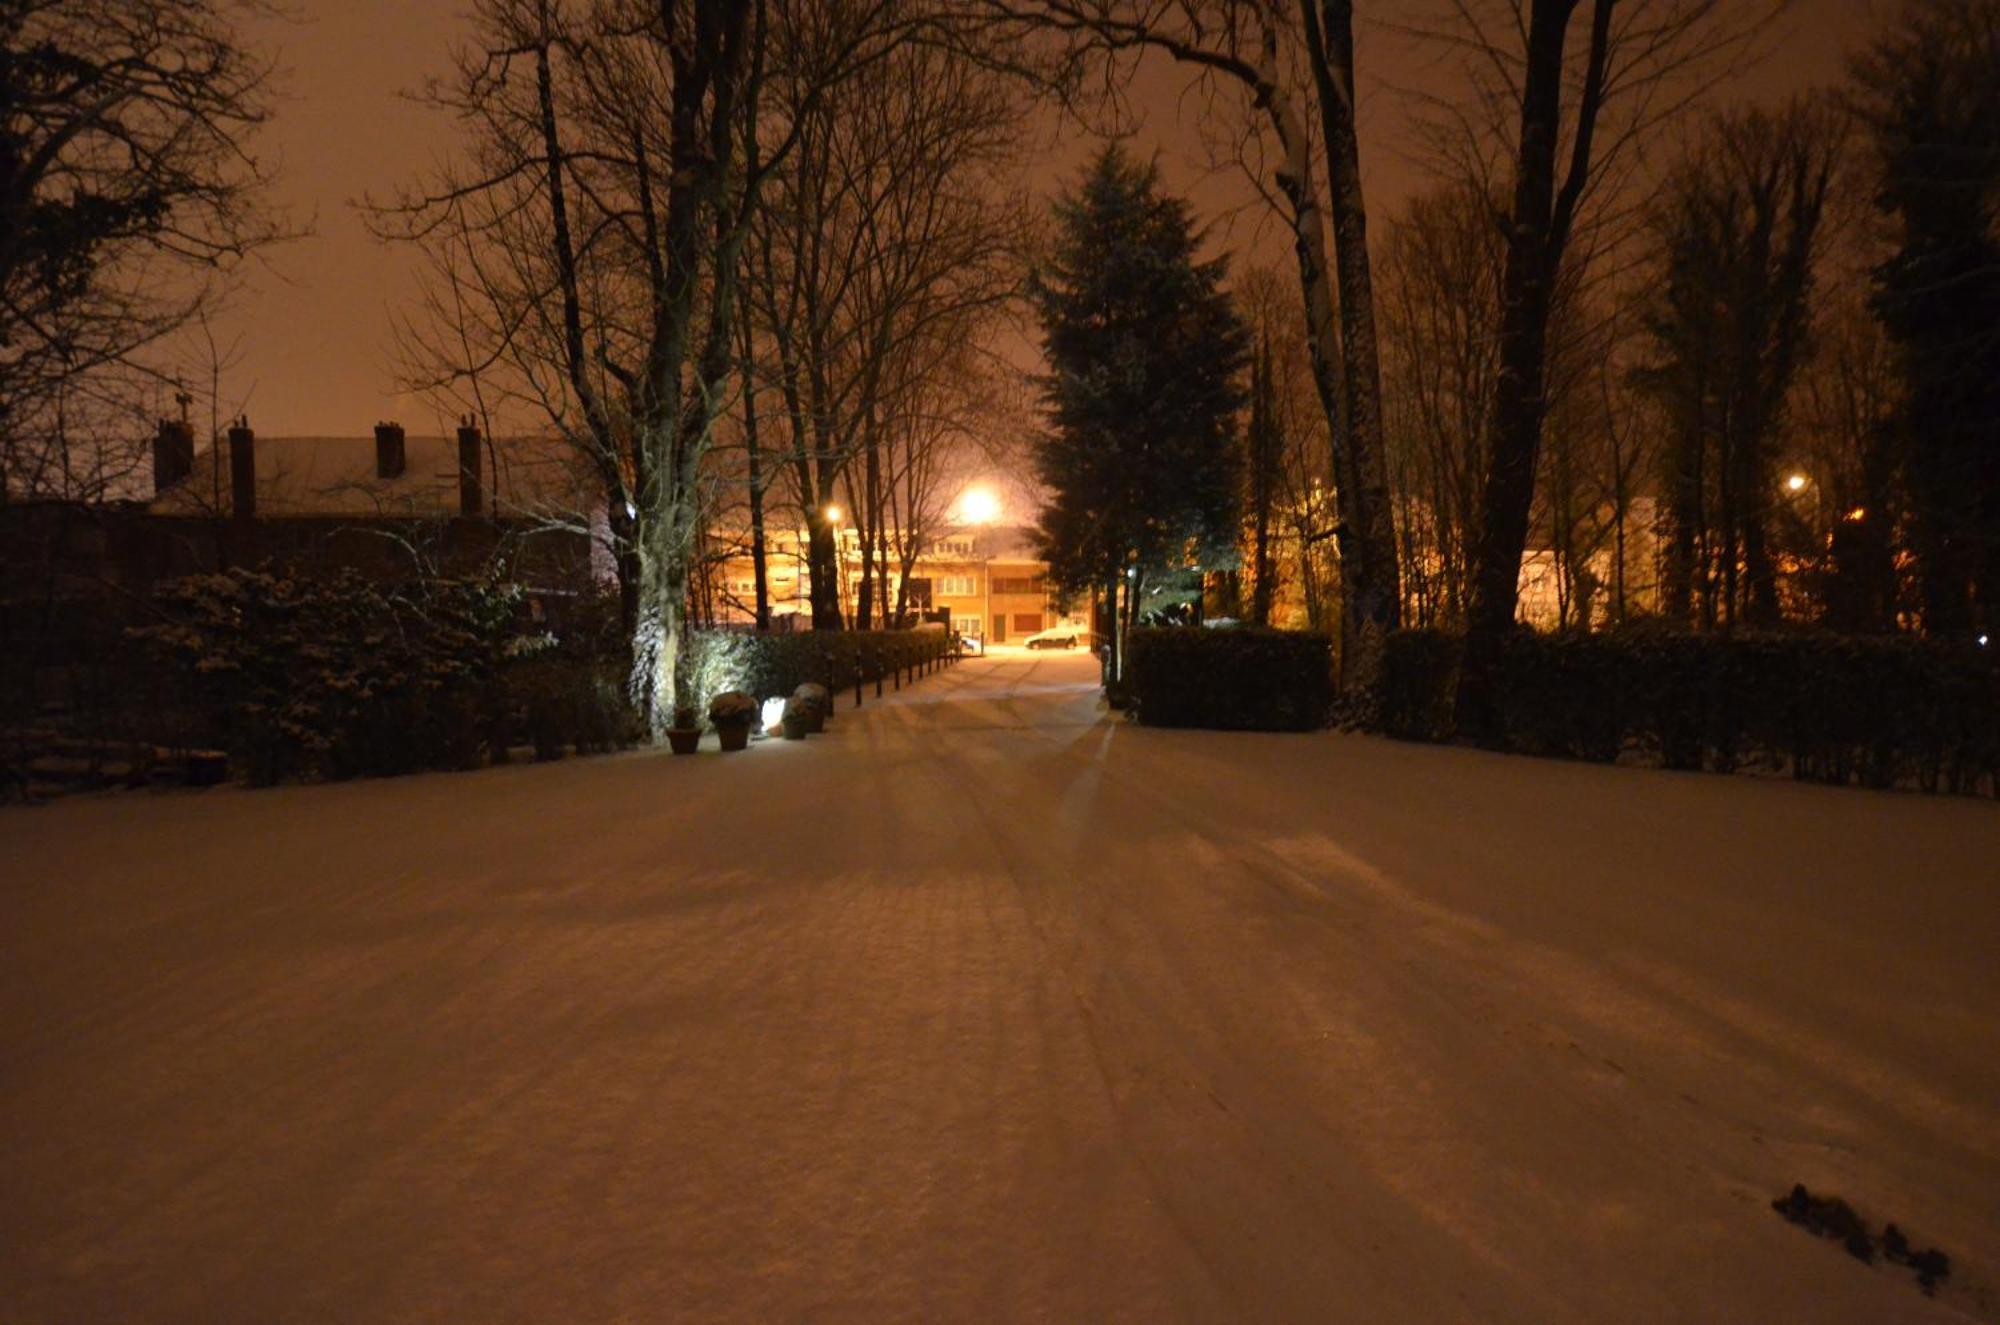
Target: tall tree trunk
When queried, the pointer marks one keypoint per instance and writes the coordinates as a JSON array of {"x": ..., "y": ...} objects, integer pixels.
[
  {"x": 1537, "y": 231},
  {"x": 1374, "y": 601},
  {"x": 760, "y": 577},
  {"x": 823, "y": 568},
  {"x": 869, "y": 529},
  {"x": 1266, "y": 452},
  {"x": 660, "y": 630}
]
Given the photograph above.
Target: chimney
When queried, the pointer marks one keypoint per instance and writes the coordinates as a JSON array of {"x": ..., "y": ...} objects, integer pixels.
[
  {"x": 389, "y": 454},
  {"x": 173, "y": 453},
  {"x": 469, "y": 501},
  {"x": 242, "y": 470}
]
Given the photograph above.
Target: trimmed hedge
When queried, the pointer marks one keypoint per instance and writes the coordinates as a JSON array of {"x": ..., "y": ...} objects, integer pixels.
[
  {"x": 1877, "y": 711},
  {"x": 1235, "y": 678},
  {"x": 336, "y": 675},
  {"x": 339, "y": 676},
  {"x": 773, "y": 666}
]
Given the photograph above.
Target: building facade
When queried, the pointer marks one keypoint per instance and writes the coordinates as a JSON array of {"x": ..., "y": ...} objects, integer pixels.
[{"x": 987, "y": 577}]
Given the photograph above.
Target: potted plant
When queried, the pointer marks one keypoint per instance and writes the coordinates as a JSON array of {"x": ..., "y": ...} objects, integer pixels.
[
  {"x": 685, "y": 735},
  {"x": 797, "y": 720},
  {"x": 733, "y": 714},
  {"x": 815, "y": 703}
]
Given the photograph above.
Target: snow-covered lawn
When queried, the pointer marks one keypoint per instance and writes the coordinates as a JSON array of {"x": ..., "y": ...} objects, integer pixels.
[{"x": 979, "y": 1008}]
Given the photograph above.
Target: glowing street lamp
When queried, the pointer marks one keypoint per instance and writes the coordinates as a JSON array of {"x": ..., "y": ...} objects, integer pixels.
[
  {"x": 1796, "y": 483},
  {"x": 978, "y": 505},
  {"x": 833, "y": 514}
]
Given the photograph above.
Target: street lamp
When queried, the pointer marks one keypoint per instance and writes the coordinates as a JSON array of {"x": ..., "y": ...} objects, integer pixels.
[
  {"x": 1796, "y": 483},
  {"x": 978, "y": 506}
]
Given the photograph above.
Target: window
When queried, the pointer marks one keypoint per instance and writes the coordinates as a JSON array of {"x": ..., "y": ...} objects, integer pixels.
[
  {"x": 952, "y": 547},
  {"x": 1027, "y": 622},
  {"x": 965, "y": 625},
  {"x": 1020, "y": 584},
  {"x": 957, "y": 586}
]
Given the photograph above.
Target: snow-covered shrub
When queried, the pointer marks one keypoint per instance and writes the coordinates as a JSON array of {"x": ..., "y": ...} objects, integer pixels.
[
  {"x": 338, "y": 676},
  {"x": 1237, "y": 678}
]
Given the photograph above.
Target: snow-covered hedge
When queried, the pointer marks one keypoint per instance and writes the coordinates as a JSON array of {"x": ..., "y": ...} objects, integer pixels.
[
  {"x": 1874, "y": 710},
  {"x": 340, "y": 676},
  {"x": 1234, "y": 677},
  {"x": 773, "y": 666}
]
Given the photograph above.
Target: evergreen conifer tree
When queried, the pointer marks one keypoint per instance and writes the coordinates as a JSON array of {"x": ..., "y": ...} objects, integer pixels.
[{"x": 1145, "y": 352}]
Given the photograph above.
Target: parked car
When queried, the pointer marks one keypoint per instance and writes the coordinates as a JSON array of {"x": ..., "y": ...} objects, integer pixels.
[{"x": 1056, "y": 637}]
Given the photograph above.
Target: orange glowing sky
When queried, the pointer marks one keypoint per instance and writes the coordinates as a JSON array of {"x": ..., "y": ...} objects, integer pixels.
[{"x": 311, "y": 332}]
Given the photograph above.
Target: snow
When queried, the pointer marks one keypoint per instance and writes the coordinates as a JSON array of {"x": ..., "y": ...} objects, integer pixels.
[{"x": 983, "y": 1007}]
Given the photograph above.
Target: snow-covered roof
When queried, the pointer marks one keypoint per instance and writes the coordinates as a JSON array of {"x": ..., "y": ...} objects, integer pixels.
[{"x": 336, "y": 476}]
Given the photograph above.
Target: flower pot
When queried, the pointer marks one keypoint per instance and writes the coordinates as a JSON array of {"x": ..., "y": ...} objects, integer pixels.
[
  {"x": 734, "y": 736},
  {"x": 684, "y": 740},
  {"x": 815, "y": 703},
  {"x": 794, "y": 728}
]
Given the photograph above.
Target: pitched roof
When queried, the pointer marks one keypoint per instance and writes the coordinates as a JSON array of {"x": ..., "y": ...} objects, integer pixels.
[{"x": 335, "y": 476}]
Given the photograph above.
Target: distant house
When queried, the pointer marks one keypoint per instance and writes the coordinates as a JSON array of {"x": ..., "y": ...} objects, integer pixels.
[
  {"x": 387, "y": 506},
  {"x": 987, "y": 577}
]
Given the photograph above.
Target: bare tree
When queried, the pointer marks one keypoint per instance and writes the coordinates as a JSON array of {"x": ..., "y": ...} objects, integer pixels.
[
  {"x": 616, "y": 162},
  {"x": 887, "y": 250},
  {"x": 1555, "y": 121},
  {"x": 1738, "y": 233},
  {"x": 1302, "y": 551},
  {"x": 1850, "y": 393},
  {"x": 1440, "y": 310},
  {"x": 130, "y": 194}
]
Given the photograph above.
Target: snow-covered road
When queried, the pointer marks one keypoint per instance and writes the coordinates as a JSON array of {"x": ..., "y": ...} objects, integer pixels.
[{"x": 981, "y": 1007}]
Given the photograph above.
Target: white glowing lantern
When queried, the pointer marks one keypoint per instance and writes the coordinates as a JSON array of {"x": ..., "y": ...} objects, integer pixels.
[{"x": 772, "y": 713}]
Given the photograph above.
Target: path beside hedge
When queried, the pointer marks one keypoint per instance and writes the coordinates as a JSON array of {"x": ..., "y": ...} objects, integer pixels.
[{"x": 981, "y": 1007}]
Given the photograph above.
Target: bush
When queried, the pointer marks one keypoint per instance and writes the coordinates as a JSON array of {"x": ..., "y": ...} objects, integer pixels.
[
  {"x": 561, "y": 703},
  {"x": 1413, "y": 698},
  {"x": 1871, "y": 710},
  {"x": 342, "y": 676},
  {"x": 1237, "y": 678},
  {"x": 774, "y": 666}
]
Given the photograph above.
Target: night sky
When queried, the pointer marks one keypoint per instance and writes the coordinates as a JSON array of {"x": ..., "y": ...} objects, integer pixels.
[{"x": 312, "y": 328}]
